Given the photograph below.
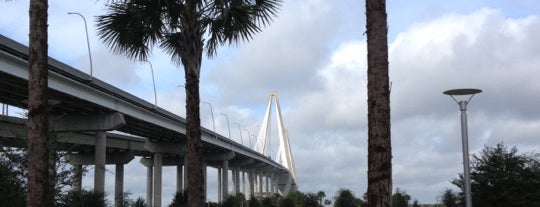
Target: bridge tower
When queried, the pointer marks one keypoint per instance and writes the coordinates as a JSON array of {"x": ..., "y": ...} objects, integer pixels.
[{"x": 284, "y": 155}]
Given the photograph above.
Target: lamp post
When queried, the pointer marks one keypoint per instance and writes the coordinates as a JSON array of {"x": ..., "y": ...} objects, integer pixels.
[
  {"x": 228, "y": 125},
  {"x": 212, "y": 114},
  {"x": 255, "y": 140},
  {"x": 154, "y": 83},
  {"x": 464, "y": 136},
  {"x": 87, "y": 42},
  {"x": 240, "y": 131},
  {"x": 249, "y": 136}
]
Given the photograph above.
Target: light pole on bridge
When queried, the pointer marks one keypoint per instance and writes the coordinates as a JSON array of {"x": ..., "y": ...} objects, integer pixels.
[
  {"x": 153, "y": 83},
  {"x": 87, "y": 42},
  {"x": 228, "y": 125},
  {"x": 249, "y": 136},
  {"x": 240, "y": 130},
  {"x": 212, "y": 114}
]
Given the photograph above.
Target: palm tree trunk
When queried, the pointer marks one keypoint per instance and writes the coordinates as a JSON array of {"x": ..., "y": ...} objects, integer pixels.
[
  {"x": 38, "y": 127},
  {"x": 192, "y": 48},
  {"x": 194, "y": 142},
  {"x": 379, "y": 142}
]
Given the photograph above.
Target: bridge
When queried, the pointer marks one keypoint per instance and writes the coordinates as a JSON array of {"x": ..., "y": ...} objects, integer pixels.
[{"x": 99, "y": 124}]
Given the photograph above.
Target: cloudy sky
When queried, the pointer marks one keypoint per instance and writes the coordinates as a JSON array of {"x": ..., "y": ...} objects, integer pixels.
[{"x": 314, "y": 56}]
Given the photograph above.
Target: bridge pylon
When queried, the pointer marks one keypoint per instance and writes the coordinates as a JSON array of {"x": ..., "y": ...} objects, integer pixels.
[{"x": 284, "y": 155}]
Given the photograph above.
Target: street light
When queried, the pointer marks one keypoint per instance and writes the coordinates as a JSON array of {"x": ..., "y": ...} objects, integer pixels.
[
  {"x": 212, "y": 114},
  {"x": 255, "y": 140},
  {"x": 464, "y": 136},
  {"x": 154, "y": 83},
  {"x": 240, "y": 130},
  {"x": 228, "y": 125},
  {"x": 87, "y": 42},
  {"x": 249, "y": 136}
]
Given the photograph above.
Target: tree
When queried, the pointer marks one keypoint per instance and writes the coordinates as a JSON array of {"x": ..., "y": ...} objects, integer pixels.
[
  {"x": 327, "y": 202},
  {"x": 272, "y": 201},
  {"x": 502, "y": 177},
  {"x": 38, "y": 120},
  {"x": 365, "y": 203},
  {"x": 450, "y": 198},
  {"x": 345, "y": 198},
  {"x": 253, "y": 202},
  {"x": 285, "y": 202},
  {"x": 14, "y": 170},
  {"x": 400, "y": 198},
  {"x": 415, "y": 203},
  {"x": 234, "y": 201},
  {"x": 321, "y": 196},
  {"x": 311, "y": 200},
  {"x": 180, "y": 200},
  {"x": 83, "y": 198},
  {"x": 12, "y": 177},
  {"x": 140, "y": 202},
  {"x": 183, "y": 29},
  {"x": 378, "y": 90},
  {"x": 297, "y": 197}
]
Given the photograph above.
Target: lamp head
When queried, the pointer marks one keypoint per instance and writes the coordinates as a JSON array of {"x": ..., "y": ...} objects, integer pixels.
[{"x": 462, "y": 91}]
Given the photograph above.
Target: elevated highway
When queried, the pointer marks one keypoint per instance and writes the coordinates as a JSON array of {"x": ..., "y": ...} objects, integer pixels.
[{"x": 88, "y": 108}]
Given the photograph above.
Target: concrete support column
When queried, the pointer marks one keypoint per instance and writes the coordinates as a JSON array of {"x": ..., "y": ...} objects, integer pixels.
[
  {"x": 220, "y": 188},
  {"x": 267, "y": 184},
  {"x": 119, "y": 185},
  {"x": 260, "y": 182},
  {"x": 149, "y": 184},
  {"x": 237, "y": 179},
  {"x": 274, "y": 184},
  {"x": 158, "y": 165},
  {"x": 225, "y": 179},
  {"x": 233, "y": 176},
  {"x": 99, "y": 154},
  {"x": 243, "y": 182},
  {"x": 77, "y": 182},
  {"x": 251, "y": 177},
  {"x": 179, "y": 178}
]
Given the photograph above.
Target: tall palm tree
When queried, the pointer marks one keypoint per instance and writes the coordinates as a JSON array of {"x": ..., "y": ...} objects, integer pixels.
[
  {"x": 38, "y": 122},
  {"x": 379, "y": 142},
  {"x": 183, "y": 29}
]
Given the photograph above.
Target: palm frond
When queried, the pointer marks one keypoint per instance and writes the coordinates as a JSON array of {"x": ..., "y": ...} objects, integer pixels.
[
  {"x": 172, "y": 14},
  {"x": 131, "y": 28},
  {"x": 265, "y": 10},
  {"x": 172, "y": 45},
  {"x": 232, "y": 21}
]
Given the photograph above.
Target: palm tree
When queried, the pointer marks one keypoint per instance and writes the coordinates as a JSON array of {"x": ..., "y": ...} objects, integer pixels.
[
  {"x": 320, "y": 196},
  {"x": 379, "y": 142},
  {"x": 38, "y": 122},
  {"x": 183, "y": 29}
]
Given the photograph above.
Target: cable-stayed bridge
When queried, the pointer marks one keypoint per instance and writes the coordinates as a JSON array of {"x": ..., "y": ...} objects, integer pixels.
[{"x": 85, "y": 112}]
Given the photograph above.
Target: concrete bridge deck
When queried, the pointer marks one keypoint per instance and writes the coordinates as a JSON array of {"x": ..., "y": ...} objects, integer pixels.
[{"x": 83, "y": 109}]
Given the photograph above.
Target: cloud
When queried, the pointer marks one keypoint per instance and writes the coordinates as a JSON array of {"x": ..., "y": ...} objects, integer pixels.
[
  {"x": 481, "y": 49},
  {"x": 288, "y": 51}
]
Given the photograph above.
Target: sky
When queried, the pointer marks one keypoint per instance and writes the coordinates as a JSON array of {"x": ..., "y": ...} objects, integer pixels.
[{"x": 314, "y": 56}]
